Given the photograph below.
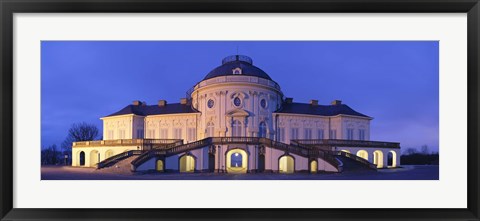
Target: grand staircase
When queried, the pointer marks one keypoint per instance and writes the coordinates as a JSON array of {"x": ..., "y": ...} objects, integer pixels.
[{"x": 131, "y": 160}]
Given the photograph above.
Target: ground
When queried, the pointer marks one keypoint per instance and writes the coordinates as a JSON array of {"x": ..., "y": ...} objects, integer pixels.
[{"x": 408, "y": 172}]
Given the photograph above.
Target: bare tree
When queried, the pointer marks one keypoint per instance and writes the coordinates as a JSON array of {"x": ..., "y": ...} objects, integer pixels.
[
  {"x": 410, "y": 151},
  {"x": 425, "y": 150},
  {"x": 79, "y": 132}
]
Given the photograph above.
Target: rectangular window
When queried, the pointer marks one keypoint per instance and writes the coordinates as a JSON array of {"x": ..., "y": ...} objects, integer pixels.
[
  {"x": 139, "y": 133},
  {"x": 281, "y": 134},
  {"x": 163, "y": 133},
  {"x": 177, "y": 133},
  {"x": 110, "y": 135},
  {"x": 121, "y": 134},
  {"x": 349, "y": 134},
  {"x": 308, "y": 133},
  {"x": 333, "y": 134},
  {"x": 294, "y": 134},
  {"x": 151, "y": 134},
  {"x": 361, "y": 134},
  {"x": 320, "y": 134},
  {"x": 192, "y": 134}
]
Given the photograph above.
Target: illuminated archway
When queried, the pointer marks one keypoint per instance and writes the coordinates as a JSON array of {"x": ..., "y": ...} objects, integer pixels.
[
  {"x": 286, "y": 164},
  {"x": 378, "y": 158},
  {"x": 187, "y": 164},
  {"x": 94, "y": 158},
  {"x": 392, "y": 156},
  {"x": 81, "y": 158},
  {"x": 237, "y": 161},
  {"x": 159, "y": 166},
  {"x": 108, "y": 154},
  {"x": 363, "y": 154},
  {"x": 313, "y": 166}
]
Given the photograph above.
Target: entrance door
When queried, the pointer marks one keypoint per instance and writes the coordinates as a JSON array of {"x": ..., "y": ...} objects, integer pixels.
[
  {"x": 211, "y": 162},
  {"x": 261, "y": 163}
]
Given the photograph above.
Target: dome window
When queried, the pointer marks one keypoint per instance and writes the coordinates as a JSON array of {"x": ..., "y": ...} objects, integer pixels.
[
  {"x": 237, "y": 71},
  {"x": 210, "y": 103},
  {"x": 263, "y": 103},
  {"x": 237, "y": 102}
]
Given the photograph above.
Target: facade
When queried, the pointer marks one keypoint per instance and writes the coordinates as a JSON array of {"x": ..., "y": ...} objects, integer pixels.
[{"x": 236, "y": 120}]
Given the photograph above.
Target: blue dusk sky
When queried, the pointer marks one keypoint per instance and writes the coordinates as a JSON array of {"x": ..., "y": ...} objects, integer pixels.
[{"x": 395, "y": 82}]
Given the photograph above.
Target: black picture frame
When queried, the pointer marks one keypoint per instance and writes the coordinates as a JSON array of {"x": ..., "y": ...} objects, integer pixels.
[{"x": 9, "y": 7}]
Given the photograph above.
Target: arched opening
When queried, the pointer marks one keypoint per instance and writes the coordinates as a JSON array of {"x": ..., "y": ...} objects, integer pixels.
[
  {"x": 286, "y": 164},
  {"x": 313, "y": 166},
  {"x": 378, "y": 158},
  {"x": 237, "y": 161},
  {"x": 392, "y": 159},
  {"x": 236, "y": 128},
  {"x": 108, "y": 154},
  {"x": 187, "y": 164},
  {"x": 82, "y": 158},
  {"x": 211, "y": 162},
  {"x": 262, "y": 129},
  {"x": 94, "y": 158},
  {"x": 210, "y": 128},
  {"x": 363, "y": 154},
  {"x": 261, "y": 163},
  {"x": 159, "y": 166}
]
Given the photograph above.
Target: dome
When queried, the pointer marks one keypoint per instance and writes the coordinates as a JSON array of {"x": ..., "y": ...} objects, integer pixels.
[{"x": 242, "y": 63}]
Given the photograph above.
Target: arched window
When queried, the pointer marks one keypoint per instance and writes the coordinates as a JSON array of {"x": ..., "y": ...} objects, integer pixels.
[
  {"x": 262, "y": 130},
  {"x": 236, "y": 129},
  {"x": 210, "y": 128},
  {"x": 236, "y": 160}
]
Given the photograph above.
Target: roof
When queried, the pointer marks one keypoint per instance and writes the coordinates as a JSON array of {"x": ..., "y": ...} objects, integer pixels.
[
  {"x": 237, "y": 61},
  {"x": 144, "y": 110},
  {"x": 321, "y": 110}
]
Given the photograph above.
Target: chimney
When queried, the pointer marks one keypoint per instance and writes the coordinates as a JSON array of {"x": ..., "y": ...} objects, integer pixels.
[
  {"x": 183, "y": 101},
  {"x": 288, "y": 100},
  {"x": 336, "y": 102},
  {"x": 162, "y": 103},
  {"x": 314, "y": 102},
  {"x": 137, "y": 103}
]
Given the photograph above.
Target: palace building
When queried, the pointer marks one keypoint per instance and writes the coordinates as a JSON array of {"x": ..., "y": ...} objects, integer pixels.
[{"x": 237, "y": 120}]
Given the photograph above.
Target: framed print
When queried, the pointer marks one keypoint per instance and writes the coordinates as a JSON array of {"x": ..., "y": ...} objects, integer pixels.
[{"x": 239, "y": 110}]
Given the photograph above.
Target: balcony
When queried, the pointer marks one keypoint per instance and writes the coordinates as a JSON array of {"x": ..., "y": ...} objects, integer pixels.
[
  {"x": 347, "y": 143},
  {"x": 144, "y": 143}
]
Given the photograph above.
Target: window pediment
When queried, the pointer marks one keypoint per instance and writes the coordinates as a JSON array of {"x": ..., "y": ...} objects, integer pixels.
[{"x": 238, "y": 113}]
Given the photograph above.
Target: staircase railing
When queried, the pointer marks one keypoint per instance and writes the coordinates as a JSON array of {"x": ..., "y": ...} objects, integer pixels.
[
  {"x": 114, "y": 159},
  {"x": 294, "y": 148},
  {"x": 169, "y": 151},
  {"x": 356, "y": 158}
]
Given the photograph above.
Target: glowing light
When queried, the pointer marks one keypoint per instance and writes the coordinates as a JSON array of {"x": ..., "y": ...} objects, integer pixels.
[{"x": 236, "y": 154}]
